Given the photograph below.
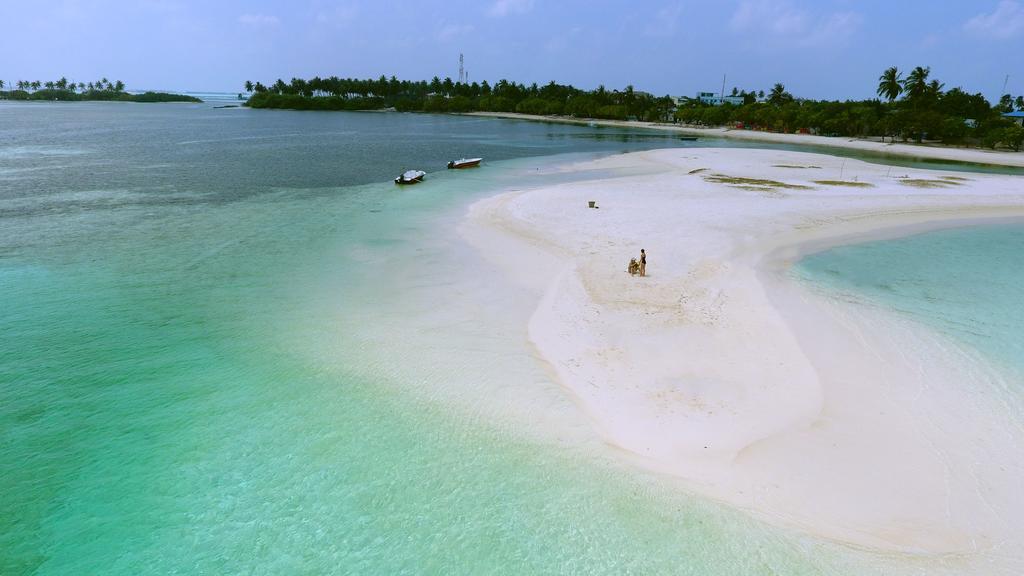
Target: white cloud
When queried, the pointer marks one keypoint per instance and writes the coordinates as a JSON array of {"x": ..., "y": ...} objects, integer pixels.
[
  {"x": 930, "y": 41},
  {"x": 340, "y": 15},
  {"x": 1005, "y": 22},
  {"x": 502, "y": 8},
  {"x": 777, "y": 17},
  {"x": 561, "y": 42},
  {"x": 258, "y": 20},
  {"x": 782, "y": 22},
  {"x": 836, "y": 28},
  {"x": 664, "y": 23},
  {"x": 160, "y": 5},
  {"x": 449, "y": 31}
]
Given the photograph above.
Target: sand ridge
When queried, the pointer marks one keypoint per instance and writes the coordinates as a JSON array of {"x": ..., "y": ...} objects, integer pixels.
[
  {"x": 833, "y": 417},
  {"x": 883, "y": 148}
]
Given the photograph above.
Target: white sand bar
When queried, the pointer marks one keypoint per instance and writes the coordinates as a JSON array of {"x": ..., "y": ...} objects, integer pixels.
[
  {"x": 872, "y": 146},
  {"x": 838, "y": 418}
]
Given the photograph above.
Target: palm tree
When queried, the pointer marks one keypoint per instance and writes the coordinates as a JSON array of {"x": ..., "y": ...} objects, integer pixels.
[
  {"x": 778, "y": 95},
  {"x": 1019, "y": 102},
  {"x": 889, "y": 84},
  {"x": 36, "y": 84},
  {"x": 49, "y": 85},
  {"x": 81, "y": 86},
  {"x": 1, "y": 84},
  {"x": 119, "y": 86},
  {"x": 1005, "y": 103},
  {"x": 248, "y": 85},
  {"x": 916, "y": 84}
]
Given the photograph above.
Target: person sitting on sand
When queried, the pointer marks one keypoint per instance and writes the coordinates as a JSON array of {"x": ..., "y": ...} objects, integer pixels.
[
  {"x": 634, "y": 267},
  {"x": 643, "y": 262}
]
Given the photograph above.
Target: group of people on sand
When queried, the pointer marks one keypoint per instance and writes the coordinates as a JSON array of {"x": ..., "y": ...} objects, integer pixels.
[{"x": 638, "y": 266}]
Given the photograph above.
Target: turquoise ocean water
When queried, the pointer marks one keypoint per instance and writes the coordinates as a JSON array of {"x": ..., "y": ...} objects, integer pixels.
[
  {"x": 965, "y": 282},
  {"x": 224, "y": 348}
]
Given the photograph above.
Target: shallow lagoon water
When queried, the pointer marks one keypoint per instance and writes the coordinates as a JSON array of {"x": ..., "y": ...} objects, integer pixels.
[
  {"x": 224, "y": 348},
  {"x": 963, "y": 282}
]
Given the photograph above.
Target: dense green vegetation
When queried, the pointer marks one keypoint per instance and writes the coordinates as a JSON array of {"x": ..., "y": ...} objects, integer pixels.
[
  {"x": 64, "y": 90},
  {"x": 913, "y": 108},
  {"x": 163, "y": 97},
  {"x": 447, "y": 96}
]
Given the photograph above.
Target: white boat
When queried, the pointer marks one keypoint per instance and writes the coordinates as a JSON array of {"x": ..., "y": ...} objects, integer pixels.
[
  {"x": 410, "y": 177},
  {"x": 465, "y": 163}
]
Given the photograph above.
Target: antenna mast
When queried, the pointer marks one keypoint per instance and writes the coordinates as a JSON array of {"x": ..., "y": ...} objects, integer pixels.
[
  {"x": 1005, "y": 82},
  {"x": 462, "y": 70},
  {"x": 723, "y": 86}
]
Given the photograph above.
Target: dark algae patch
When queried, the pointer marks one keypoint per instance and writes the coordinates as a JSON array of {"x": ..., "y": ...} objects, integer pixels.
[
  {"x": 849, "y": 183},
  {"x": 757, "y": 182},
  {"x": 926, "y": 183}
]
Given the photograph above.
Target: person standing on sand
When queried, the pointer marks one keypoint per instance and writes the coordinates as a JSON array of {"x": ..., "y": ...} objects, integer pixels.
[{"x": 643, "y": 263}]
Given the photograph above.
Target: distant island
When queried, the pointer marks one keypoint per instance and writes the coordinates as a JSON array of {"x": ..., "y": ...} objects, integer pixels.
[
  {"x": 101, "y": 90},
  {"x": 915, "y": 108}
]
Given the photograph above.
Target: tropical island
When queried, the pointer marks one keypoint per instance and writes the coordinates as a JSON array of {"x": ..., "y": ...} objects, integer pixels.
[
  {"x": 915, "y": 108},
  {"x": 100, "y": 90}
]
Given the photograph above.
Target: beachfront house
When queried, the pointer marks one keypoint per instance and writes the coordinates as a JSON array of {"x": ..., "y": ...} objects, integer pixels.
[
  {"x": 717, "y": 100},
  {"x": 1017, "y": 117}
]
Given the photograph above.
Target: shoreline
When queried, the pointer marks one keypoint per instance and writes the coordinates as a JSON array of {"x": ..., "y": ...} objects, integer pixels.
[
  {"x": 789, "y": 251},
  {"x": 723, "y": 371},
  {"x": 901, "y": 150}
]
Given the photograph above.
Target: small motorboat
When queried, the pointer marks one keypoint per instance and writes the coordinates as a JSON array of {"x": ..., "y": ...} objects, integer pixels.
[
  {"x": 465, "y": 163},
  {"x": 688, "y": 138},
  {"x": 410, "y": 177}
]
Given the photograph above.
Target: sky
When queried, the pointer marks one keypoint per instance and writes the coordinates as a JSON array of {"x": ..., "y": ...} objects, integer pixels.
[{"x": 824, "y": 49}]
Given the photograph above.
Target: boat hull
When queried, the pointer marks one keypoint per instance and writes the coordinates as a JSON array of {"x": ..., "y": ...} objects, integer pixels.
[
  {"x": 464, "y": 163},
  {"x": 411, "y": 177}
]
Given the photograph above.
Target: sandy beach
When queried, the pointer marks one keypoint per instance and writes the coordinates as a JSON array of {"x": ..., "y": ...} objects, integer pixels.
[
  {"x": 835, "y": 418},
  {"x": 899, "y": 149}
]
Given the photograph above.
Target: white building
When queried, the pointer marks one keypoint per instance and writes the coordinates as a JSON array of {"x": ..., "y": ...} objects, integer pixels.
[{"x": 716, "y": 100}]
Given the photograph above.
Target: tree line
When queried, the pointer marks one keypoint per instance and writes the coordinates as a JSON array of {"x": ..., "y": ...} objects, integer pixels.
[
  {"x": 446, "y": 96},
  {"x": 916, "y": 107},
  {"x": 34, "y": 89},
  {"x": 64, "y": 89}
]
